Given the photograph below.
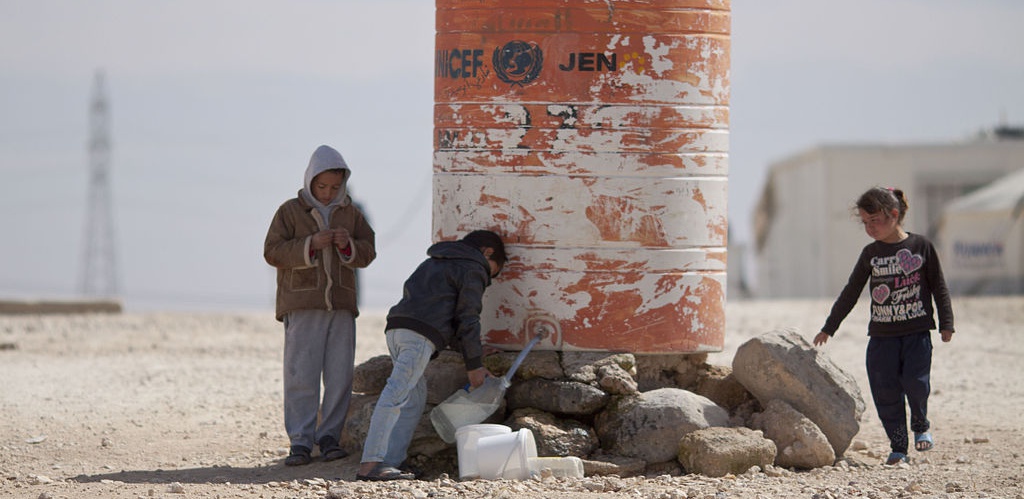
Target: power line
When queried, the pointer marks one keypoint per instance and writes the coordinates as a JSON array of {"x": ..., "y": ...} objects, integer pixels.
[{"x": 403, "y": 222}]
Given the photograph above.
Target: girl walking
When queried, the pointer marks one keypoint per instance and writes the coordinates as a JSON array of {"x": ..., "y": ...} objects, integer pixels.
[{"x": 904, "y": 276}]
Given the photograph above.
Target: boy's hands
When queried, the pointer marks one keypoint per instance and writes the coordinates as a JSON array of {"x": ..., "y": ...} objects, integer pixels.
[
  {"x": 321, "y": 239},
  {"x": 341, "y": 238},
  {"x": 327, "y": 237},
  {"x": 477, "y": 376},
  {"x": 946, "y": 335}
]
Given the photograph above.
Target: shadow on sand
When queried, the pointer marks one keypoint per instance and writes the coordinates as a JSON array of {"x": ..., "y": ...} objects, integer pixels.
[{"x": 276, "y": 471}]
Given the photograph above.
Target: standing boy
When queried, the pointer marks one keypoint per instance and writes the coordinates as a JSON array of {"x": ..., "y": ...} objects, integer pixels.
[
  {"x": 440, "y": 307},
  {"x": 316, "y": 241}
]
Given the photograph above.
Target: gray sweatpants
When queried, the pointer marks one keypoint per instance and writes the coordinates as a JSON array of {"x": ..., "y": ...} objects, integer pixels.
[{"x": 317, "y": 344}]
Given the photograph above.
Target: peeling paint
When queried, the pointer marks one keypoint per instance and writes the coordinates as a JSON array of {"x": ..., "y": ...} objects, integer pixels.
[{"x": 597, "y": 143}]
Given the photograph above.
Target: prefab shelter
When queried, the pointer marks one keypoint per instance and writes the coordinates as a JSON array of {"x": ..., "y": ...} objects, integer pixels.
[
  {"x": 808, "y": 235},
  {"x": 981, "y": 239}
]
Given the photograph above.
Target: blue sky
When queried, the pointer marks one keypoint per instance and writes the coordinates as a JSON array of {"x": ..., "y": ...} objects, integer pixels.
[{"x": 217, "y": 105}]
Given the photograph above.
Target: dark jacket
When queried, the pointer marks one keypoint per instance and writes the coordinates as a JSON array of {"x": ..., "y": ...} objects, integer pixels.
[{"x": 443, "y": 297}]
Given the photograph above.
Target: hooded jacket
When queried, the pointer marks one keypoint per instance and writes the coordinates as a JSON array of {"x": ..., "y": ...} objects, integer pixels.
[
  {"x": 323, "y": 279},
  {"x": 443, "y": 297}
]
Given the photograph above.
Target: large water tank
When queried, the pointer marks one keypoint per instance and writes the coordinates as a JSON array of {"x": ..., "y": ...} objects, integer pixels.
[{"x": 593, "y": 135}]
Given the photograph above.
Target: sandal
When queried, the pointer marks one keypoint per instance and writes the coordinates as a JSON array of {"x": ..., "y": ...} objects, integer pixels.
[
  {"x": 896, "y": 458},
  {"x": 330, "y": 450},
  {"x": 382, "y": 473},
  {"x": 923, "y": 441},
  {"x": 298, "y": 456}
]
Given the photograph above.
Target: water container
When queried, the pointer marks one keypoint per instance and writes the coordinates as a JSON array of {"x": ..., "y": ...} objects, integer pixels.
[
  {"x": 561, "y": 467},
  {"x": 506, "y": 456},
  {"x": 467, "y": 438},
  {"x": 468, "y": 407},
  {"x": 594, "y": 137}
]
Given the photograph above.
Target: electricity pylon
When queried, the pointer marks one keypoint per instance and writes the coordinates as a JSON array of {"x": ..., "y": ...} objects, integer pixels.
[{"x": 99, "y": 264}]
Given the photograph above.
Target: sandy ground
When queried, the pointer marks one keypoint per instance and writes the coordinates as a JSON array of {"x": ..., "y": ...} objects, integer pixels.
[{"x": 179, "y": 405}]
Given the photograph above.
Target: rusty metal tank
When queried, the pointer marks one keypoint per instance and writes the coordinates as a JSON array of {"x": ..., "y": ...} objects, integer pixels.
[{"x": 593, "y": 135}]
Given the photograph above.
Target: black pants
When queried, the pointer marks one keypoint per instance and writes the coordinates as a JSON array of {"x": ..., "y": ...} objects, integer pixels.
[{"x": 899, "y": 369}]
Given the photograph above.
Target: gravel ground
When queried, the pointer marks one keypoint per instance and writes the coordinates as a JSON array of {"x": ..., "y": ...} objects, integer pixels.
[{"x": 184, "y": 405}]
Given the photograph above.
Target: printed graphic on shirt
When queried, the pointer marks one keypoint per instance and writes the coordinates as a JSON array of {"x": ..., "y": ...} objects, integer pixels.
[
  {"x": 909, "y": 262},
  {"x": 880, "y": 293},
  {"x": 896, "y": 287}
]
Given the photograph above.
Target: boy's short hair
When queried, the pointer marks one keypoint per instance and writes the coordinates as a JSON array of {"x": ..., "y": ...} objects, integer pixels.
[{"x": 488, "y": 239}]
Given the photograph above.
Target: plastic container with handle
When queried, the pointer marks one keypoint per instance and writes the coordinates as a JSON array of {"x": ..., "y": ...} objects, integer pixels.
[{"x": 466, "y": 407}]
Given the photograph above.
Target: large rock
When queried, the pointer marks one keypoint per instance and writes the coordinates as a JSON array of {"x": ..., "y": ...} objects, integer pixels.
[
  {"x": 583, "y": 366},
  {"x": 371, "y": 376},
  {"x": 717, "y": 452},
  {"x": 800, "y": 442},
  {"x": 649, "y": 426},
  {"x": 668, "y": 370},
  {"x": 606, "y": 465},
  {"x": 616, "y": 381},
  {"x": 559, "y": 397},
  {"x": 783, "y": 365},
  {"x": 554, "y": 436},
  {"x": 718, "y": 384},
  {"x": 357, "y": 421}
]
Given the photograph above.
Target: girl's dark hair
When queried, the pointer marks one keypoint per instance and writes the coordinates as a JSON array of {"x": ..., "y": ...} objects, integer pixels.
[
  {"x": 885, "y": 200},
  {"x": 488, "y": 239}
]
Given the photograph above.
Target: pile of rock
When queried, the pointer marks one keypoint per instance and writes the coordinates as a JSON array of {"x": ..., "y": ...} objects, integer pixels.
[{"x": 782, "y": 403}]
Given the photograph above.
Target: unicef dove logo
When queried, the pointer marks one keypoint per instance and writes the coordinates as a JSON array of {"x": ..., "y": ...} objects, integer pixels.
[{"x": 518, "y": 62}]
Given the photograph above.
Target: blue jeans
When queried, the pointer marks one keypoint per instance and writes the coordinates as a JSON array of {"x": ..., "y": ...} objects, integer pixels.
[{"x": 401, "y": 404}]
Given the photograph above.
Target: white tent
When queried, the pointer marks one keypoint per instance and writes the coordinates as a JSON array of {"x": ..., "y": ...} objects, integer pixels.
[{"x": 981, "y": 239}]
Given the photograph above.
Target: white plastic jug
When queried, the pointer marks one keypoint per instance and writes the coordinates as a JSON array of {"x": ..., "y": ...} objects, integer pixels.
[
  {"x": 467, "y": 407},
  {"x": 562, "y": 467}
]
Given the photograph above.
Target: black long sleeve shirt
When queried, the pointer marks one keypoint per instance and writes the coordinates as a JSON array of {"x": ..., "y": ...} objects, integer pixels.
[{"x": 904, "y": 279}]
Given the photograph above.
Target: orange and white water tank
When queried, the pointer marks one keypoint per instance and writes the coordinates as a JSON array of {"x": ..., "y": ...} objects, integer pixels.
[{"x": 593, "y": 135}]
